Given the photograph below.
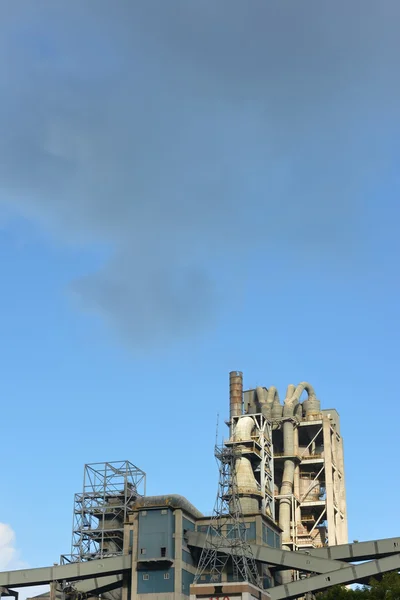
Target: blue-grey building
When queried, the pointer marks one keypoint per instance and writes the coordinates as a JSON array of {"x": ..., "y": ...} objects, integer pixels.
[{"x": 158, "y": 539}]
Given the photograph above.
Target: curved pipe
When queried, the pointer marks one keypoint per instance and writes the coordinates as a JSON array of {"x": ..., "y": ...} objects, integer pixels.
[
  {"x": 311, "y": 406},
  {"x": 304, "y": 386},
  {"x": 290, "y": 409},
  {"x": 246, "y": 482},
  {"x": 290, "y": 401},
  {"x": 273, "y": 395},
  {"x": 293, "y": 395},
  {"x": 277, "y": 408},
  {"x": 298, "y": 411},
  {"x": 288, "y": 470},
  {"x": 290, "y": 391},
  {"x": 171, "y": 500},
  {"x": 272, "y": 406},
  {"x": 268, "y": 396},
  {"x": 261, "y": 395},
  {"x": 243, "y": 429}
]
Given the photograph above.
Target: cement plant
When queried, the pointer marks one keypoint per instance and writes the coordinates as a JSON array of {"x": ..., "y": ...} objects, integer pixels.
[{"x": 278, "y": 529}]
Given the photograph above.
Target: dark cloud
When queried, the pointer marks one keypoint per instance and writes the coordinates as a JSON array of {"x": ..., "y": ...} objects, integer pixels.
[{"x": 181, "y": 132}]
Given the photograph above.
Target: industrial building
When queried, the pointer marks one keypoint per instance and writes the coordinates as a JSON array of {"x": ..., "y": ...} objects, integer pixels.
[
  {"x": 309, "y": 485},
  {"x": 279, "y": 528}
]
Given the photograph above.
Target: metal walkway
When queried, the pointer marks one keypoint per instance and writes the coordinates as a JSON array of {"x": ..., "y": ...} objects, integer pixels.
[
  {"x": 326, "y": 567},
  {"x": 72, "y": 572}
]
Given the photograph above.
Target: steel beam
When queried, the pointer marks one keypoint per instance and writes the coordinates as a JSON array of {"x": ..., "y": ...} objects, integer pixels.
[
  {"x": 359, "y": 550},
  {"x": 5, "y": 592},
  {"x": 280, "y": 558},
  {"x": 330, "y": 563},
  {"x": 71, "y": 572},
  {"x": 351, "y": 574},
  {"x": 100, "y": 585}
]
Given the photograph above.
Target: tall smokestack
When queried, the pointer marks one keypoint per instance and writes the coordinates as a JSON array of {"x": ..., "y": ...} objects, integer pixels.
[{"x": 235, "y": 394}]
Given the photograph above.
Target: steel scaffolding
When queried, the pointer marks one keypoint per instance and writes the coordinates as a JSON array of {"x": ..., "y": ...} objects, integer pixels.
[
  {"x": 100, "y": 510},
  {"x": 226, "y": 546},
  {"x": 259, "y": 450}
]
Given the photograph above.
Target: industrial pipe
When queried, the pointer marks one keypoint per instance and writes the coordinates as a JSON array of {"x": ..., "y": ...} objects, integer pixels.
[
  {"x": 243, "y": 430},
  {"x": 172, "y": 500},
  {"x": 290, "y": 410},
  {"x": 267, "y": 399},
  {"x": 246, "y": 482},
  {"x": 248, "y": 489},
  {"x": 235, "y": 394}
]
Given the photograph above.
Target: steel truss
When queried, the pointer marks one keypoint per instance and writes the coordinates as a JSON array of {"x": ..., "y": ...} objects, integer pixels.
[
  {"x": 322, "y": 568},
  {"x": 100, "y": 511},
  {"x": 258, "y": 449},
  {"x": 227, "y": 529},
  {"x": 317, "y": 521},
  {"x": 326, "y": 567}
]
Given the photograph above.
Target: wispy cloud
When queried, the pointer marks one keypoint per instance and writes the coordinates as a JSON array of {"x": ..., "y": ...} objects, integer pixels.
[
  {"x": 9, "y": 557},
  {"x": 10, "y": 560}
]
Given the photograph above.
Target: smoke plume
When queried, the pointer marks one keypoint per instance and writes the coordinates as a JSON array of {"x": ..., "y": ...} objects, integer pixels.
[{"x": 184, "y": 137}]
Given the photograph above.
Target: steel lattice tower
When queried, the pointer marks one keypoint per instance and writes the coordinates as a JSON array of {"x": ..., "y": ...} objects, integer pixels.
[{"x": 227, "y": 532}]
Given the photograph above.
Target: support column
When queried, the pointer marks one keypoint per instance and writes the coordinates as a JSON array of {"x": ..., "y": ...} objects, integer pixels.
[
  {"x": 178, "y": 554},
  {"x": 330, "y": 511},
  {"x": 134, "y": 573},
  {"x": 342, "y": 493},
  {"x": 128, "y": 548}
]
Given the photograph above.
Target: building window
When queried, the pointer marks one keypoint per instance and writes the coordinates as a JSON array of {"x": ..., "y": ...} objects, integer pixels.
[
  {"x": 164, "y": 511},
  {"x": 145, "y": 577},
  {"x": 163, "y": 551},
  {"x": 166, "y": 575},
  {"x": 144, "y": 513},
  {"x": 142, "y": 550}
]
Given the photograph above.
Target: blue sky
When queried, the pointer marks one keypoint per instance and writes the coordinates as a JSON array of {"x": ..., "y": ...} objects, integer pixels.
[{"x": 185, "y": 191}]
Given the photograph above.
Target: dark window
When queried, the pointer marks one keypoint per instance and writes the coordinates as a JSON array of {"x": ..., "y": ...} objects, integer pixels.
[{"x": 163, "y": 551}]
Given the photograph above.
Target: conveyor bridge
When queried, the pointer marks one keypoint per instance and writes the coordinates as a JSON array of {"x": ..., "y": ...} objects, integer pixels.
[{"x": 322, "y": 568}]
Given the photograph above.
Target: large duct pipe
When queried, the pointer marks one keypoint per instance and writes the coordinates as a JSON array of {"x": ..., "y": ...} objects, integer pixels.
[
  {"x": 169, "y": 500},
  {"x": 272, "y": 395},
  {"x": 290, "y": 410},
  {"x": 290, "y": 403},
  {"x": 267, "y": 399},
  {"x": 261, "y": 397},
  {"x": 248, "y": 490},
  {"x": 243, "y": 429},
  {"x": 235, "y": 394},
  {"x": 247, "y": 486},
  {"x": 311, "y": 406}
]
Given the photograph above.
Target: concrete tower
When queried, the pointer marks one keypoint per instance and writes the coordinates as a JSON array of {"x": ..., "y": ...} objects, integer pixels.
[{"x": 308, "y": 466}]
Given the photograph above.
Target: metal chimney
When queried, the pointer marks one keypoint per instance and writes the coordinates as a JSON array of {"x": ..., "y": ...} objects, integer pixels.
[{"x": 235, "y": 394}]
